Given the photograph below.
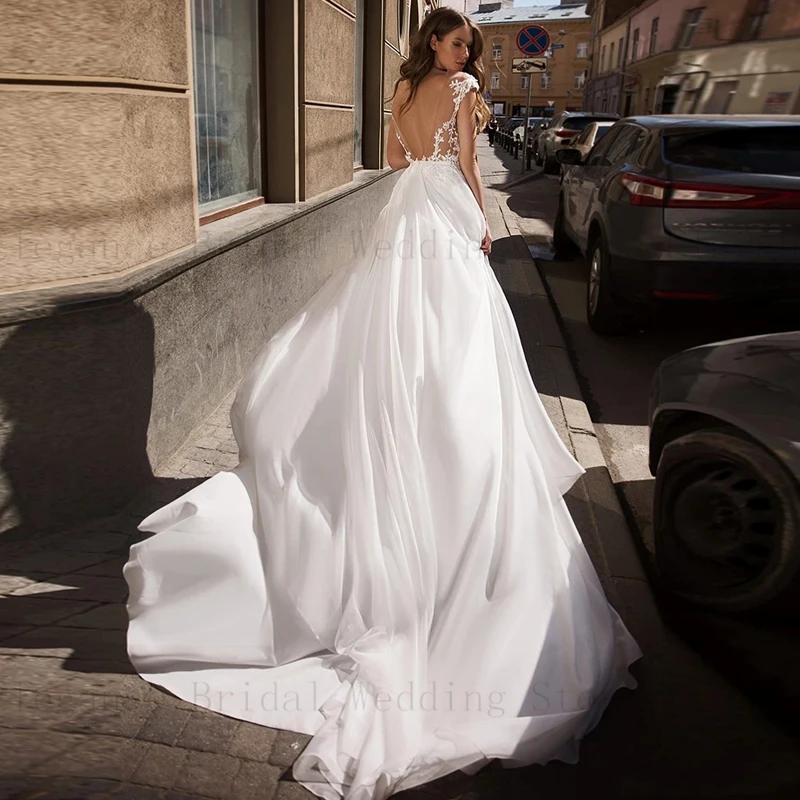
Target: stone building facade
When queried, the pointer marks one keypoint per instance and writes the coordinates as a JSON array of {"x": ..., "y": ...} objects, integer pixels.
[
  {"x": 560, "y": 87},
  {"x": 179, "y": 177}
]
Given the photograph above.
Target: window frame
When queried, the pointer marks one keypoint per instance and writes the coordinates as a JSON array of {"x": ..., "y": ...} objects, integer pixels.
[
  {"x": 688, "y": 29},
  {"x": 498, "y": 48},
  {"x": 653, "y": 35},
  {"x": 212, "y": 210},
  {"x": 547, "y": 80},
  {"x": 635, "y": 39}
]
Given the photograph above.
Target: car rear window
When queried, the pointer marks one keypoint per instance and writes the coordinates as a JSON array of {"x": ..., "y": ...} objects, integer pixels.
[
  {"x": 581, "y": 123},
  {"x": 766, "y": 151}
]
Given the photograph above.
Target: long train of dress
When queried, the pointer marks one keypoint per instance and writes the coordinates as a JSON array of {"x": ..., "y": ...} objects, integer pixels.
[{"x": 391, "y": 567}]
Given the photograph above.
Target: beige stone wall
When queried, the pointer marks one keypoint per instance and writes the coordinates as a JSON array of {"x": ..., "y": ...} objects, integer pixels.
[{"x": 101, "y": 174}]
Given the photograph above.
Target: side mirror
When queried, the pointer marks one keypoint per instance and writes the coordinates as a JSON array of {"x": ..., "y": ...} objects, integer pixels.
[{"x": 569, "y": 156}]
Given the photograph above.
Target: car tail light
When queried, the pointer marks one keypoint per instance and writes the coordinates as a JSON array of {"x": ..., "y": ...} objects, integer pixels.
[
  {"x": 565, "y": 133},
  {"x": 645, "y": 191}
]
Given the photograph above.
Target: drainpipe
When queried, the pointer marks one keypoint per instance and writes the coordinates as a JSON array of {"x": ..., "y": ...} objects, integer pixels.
[{"x": 621, "y": 100}]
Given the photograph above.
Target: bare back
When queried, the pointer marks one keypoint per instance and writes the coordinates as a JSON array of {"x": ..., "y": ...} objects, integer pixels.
[{"x": 427, "y": 127}]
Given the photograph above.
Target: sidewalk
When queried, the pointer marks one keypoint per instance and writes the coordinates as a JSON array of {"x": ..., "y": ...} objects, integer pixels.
[{"x": 75, "y": 720}]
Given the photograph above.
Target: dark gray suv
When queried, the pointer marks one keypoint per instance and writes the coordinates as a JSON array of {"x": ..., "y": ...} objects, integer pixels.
[{"x": 698, "y": 208}]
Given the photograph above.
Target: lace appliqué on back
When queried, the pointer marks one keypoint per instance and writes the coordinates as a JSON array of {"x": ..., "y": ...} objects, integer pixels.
[{"x": 460, "y": 87}]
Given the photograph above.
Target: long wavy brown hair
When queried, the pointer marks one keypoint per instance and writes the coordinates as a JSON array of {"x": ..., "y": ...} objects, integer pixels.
[{"x": 421, "y": 58}]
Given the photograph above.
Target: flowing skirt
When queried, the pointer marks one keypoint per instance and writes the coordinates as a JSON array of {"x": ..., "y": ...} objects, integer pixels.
[{"x": 391, "y": 568}]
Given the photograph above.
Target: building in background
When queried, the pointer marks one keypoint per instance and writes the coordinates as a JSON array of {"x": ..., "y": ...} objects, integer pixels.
[
  {"x": 726, "y": 56},
  {"x": 560, "y": 88},
  {"x": 469, "y": 6},
  {"x": 186, "y": 174}
]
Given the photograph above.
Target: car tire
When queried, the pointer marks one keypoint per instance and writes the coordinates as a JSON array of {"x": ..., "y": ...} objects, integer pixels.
[
  {"x": 604, "y": 312},
  {"x": 562, "y": 244},
  {"x": 726, "y": 519}
]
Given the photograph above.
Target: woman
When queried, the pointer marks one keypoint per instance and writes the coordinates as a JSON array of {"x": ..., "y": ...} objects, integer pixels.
[{"x": 391, "y": 568}]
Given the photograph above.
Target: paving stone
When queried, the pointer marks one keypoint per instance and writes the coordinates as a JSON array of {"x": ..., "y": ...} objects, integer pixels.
[
  {"x": 253, "y": 742},
  {"x": 63, "y": 642},
  {"x": 207, "y": 774},
  {"x": 80, "y": 587},
  {"x": 287, "y": 747},
  {"x": 21, "y": 751},
  {"x": 30, "y": 672},
  {"x": 209, "y": 732},
  {"x": 109, "y": 616},
  {"x": 202, "y": 454},
  {"x": 103, "y": 678},
  {"x": 130, "y": 791},
  {"x": 255, "y": 781},
  {"x": 110, "y": 568},
  {"x": 96, "y": 756},
  {"x": 120, "y": 718},
  {"x": 159, "y": 765},
  {"x": 10, "y": 583},
  {"x": 94, "y": 542},
  {"x": 37, "y": 610},
  {"x": 50, "y": 561},
  {"x": 288, "y": 790},
  {"x": 69, "y": 789},
  {"x": 27, "y": 709},
  {"x": 226, "y": 460},
  {"x": 164, "y": 725},
  {"x": 198, "y": 469},
  {"x": 7, "y": 631}
]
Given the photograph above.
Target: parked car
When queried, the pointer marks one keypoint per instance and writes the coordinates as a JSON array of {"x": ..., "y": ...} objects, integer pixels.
[
  {"x": 724, "y": 433},
  {"x": 560, "y": 133},
  {"x": 511, "y": 123},
  {"x": 693, "y": 208},
  {"x": 537, "y": 131},
  {"x": 589, "y": 137},
  {"x": 520, "y": 131}
]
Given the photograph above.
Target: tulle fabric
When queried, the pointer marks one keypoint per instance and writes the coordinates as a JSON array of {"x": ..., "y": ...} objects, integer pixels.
[{"x": 391, "y": 568}]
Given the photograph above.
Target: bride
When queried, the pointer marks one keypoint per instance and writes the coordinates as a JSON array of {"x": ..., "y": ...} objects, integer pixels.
[{"x": 391, "y": 568}]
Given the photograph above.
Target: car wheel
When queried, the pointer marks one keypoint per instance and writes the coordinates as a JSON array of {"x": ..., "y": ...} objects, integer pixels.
[
  {"x": 562, "y": 244},
  {"x": 604, "y": 312},
  {"x": 727, "y": 524}
]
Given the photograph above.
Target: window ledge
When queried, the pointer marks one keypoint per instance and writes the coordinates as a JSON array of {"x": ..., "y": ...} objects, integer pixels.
[{"x": 21, "y": 305}]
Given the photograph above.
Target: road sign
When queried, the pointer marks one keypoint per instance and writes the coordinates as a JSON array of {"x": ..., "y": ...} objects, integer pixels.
[
  {"x": 526, "y": 65},
  {"x": 533, "y": 40},
  {"x": 556, "y": 46}
]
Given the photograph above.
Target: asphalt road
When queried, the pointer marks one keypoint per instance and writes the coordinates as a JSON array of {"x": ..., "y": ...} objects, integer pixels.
[{"x": 615, "y": 374}]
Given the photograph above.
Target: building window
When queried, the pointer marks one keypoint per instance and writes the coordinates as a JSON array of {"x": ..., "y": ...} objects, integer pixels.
[
  {"x": 495, "y": 80},
  {"x": 358, "y": 106},
  {"x": 582, "y": 50},
  {"x": 620, "y": 51},
  {"x": 690, "y": 22},
  {"x": 758, "y": 18},
  {"x": 653, "y": 36},
  {"x": 635, "y": 46},
  {"x": 547, "y": 80},
  {"x": 611, "y": 56},
  {"x": 525, "y": 81},
  {"x": 603, "y": 60},
  {"x": 580, "y": 79},
  {"x": 497, "y": 52},
  {"x": 226, "y": 91}
]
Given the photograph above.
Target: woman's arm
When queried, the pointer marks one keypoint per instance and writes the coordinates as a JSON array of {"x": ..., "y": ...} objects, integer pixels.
[
  {"x": 395, "y": 154},
  {"x": 468, "y": 156}
]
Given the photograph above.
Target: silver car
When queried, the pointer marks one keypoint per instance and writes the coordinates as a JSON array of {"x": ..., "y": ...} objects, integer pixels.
[{"x": 561, "y": 131}]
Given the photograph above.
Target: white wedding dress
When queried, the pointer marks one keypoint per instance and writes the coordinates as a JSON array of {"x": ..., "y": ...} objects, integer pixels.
[{"x": 391, "y": 567}]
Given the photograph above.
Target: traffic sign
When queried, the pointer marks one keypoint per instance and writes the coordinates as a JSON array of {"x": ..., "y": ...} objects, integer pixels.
[
  {"x": 533, "y": 40},
  {"x": 526, "y": 65},
  {"x": 556, "y": 46}
]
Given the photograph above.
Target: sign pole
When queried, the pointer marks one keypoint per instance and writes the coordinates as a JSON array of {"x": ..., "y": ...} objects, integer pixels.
[{"x": 524, "y": 158}]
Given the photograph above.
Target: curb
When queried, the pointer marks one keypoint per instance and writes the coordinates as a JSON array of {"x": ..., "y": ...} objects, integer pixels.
[{"x": 614, "y": 546}]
